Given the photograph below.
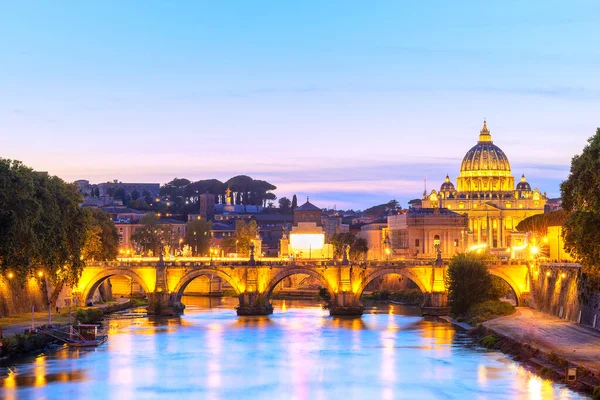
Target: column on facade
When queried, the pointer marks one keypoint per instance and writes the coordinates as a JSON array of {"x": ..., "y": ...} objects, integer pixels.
[
  {"x": 501, "y": 230},
  {"x": 489, "y": 232},
  {"x": 479, "y": 230},
  {"x": 498, "y": 234}
]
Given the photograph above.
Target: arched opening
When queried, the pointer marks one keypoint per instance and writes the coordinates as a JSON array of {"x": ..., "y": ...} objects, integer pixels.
[
  {"x": 113, "y": 284},
  {"x": 299, "y": 282},
  {"x": 203, "y": 289},
  {"x": 392, "y": 286},
  {"x": 505, "y": 289}
]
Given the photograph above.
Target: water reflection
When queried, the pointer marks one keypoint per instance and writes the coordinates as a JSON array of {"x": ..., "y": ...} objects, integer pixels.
[{"x": 298, "y": 352}]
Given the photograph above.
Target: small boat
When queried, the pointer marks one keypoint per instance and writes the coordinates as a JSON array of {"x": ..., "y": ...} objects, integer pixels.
[
  {"x": 81, "y": 335},
  {"x": 88, "y": 336}
]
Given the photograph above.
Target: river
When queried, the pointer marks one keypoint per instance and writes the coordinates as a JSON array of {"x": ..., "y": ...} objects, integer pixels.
[{"x": 299, "y": 352}]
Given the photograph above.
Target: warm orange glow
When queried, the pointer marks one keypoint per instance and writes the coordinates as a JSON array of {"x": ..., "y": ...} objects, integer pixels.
[
  {"x": 307, "y": 241},
  {"x": 10, "y": 275},
  {"x": 40, "y": 274}
]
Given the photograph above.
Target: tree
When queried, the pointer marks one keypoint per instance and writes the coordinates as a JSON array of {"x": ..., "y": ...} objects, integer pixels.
[
  {"x": 139, "y": 204},
  {"x": 197, "y": 236},
  {"x": 43, "y": 229},
  {"x": 152, "y": 237},
  {"x": 102, "y": 239},
  {"x": 284, "y": 204},
  {"x": 338, "y": 241},
  {"x": 96, "y": 192},
  {"x": 359, "y": 248},
  {"x": 468, "y": 283},
  {"x": 581, "y": 199},
  {"x": 245, "y": 233},
  {"x": 294, "y": 202},
  {"x": 135, "y": 194}
]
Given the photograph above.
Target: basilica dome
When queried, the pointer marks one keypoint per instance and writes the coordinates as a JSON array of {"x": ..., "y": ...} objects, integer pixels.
[
  {"x": 523, "y": 185},
  {"x": 485, "y": 156},
  {"x": 447, "y": 186}
]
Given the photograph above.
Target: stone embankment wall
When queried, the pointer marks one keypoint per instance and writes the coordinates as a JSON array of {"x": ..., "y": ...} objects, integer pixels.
[
  {"x": 562, "y": 290},
  {"x": 17, "y": 299}
]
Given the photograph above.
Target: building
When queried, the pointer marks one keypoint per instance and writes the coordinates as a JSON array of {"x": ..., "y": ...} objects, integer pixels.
[
  {"x": 153, "y": 189},
  {"x": 377, "y": 237},
  {"x": 207, "y": 205},
  {"x": 422, "y": 232},
  {"x": 307, "y": 237},
  {"x": 485, "y": 192}
]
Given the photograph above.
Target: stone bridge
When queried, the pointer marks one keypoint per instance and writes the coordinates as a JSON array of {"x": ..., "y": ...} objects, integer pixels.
[{"x": 165, "y": 281}]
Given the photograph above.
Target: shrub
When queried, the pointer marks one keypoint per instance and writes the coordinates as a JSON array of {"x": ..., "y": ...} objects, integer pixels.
[
  {"x": 545, "y": 372},
  {"x": 325, "y": 297},
  {"x": 408, "y": 296},
  {"x": 488, "y": 341},
  {"x": 596, "y": 392},
  {"x": 468, "y": 282},
  {"x": 89, "y": 315},
  {"x": 487, "y": 310},
  {"x": 22, "y": 344},
  {"x": 381, "y": 295}
]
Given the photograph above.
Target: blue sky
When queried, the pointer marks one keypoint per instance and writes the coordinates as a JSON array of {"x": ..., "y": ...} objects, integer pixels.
[{"x": 352, "y": 103}]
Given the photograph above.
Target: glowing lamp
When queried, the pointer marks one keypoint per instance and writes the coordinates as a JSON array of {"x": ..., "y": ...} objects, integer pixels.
[
  {"x": 534, "y": 250},
  {"x": 10, "y": 275}
]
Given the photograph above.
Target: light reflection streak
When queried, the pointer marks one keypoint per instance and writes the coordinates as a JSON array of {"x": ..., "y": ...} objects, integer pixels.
[
  {"x": 40, "y": 371},
  {"x": 214, "y": 343}
]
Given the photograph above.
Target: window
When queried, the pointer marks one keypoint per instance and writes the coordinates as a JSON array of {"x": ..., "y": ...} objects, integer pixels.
[
  {"x": 508, "y": 205},
  {"x": 436, "y": 240},
  {"x": 416, "y": 242},
  {"x": 455, "y": 242}
]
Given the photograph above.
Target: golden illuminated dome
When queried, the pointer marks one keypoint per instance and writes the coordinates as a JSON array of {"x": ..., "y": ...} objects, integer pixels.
[
  {"x": 447, "y": 186},
  {"x": 523, "y": 185},
  {"x": 485, "y": 156}
]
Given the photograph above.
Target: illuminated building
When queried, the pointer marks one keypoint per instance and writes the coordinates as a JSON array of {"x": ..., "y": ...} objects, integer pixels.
[
  {"x": 307, "y": 237},
  {"x": 485, "y": 191}
]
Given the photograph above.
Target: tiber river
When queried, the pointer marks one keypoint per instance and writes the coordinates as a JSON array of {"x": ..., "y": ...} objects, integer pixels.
[{"x": 299, "y": 352}]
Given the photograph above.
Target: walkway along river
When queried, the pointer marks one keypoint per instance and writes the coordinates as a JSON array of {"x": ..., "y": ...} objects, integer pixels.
[{"x": 299, "y": 352}]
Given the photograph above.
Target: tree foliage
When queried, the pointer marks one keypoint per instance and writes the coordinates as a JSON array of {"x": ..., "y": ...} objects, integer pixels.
[
  {"x": 285, "y": 204},
  {"x": 468, "y": 282},
  {"x": 245, "y": 233},
  {"x": 539, "y": 223},
  {"x": 581, "y": 199},
  {"x": 197, "y": 236},
  {"x": 102, "y": 240},
  {"x": 42, "y": 227},
  {"x": 358, "y": 247},
  {"x": 391, "y": 206},
  {"x": 152, "y": 237}
]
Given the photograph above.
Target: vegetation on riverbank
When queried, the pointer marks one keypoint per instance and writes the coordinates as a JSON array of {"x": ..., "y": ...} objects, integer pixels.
[
  {"x": 473, "y": 293},
  {"x": 406, "y": 296},
  {"x": 490, "y": 309},
  {"x": 22, "y": 344},
  {"x": 89, "y": 315}
]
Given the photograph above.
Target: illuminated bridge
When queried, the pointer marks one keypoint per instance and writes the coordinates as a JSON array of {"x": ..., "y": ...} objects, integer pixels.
[{"x": 253, "y": 281}]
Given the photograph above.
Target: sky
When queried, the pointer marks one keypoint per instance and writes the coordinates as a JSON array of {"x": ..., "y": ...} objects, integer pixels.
[{"x": 352, "y": 103}]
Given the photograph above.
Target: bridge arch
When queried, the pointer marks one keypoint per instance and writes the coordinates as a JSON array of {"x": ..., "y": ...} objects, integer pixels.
[
  {"x": 405, "y": 272},
  {"x": 186, "y": 279},
  {"x": 281, "y": 275},
  {"x": 510, "y": 281},
  {"x": 101, "y": 276}
]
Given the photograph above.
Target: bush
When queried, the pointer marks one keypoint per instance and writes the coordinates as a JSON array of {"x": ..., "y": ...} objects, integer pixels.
[
  {"x": 488, "y": 341},
  {"x": 138, "y": 302},
  {"x": 408, "y": 296},
  {"x": 23, "y": 344},
  {"x": 596, "y": 393},
  {"x": 381, "y": 295},
  {"x": 89, "y": 315},
  {"x": 487, "y": 310},
  {"x": 325, "y": 297},
  {"x": 546, "y": 372},
  {"x": 468, "y": 283}
]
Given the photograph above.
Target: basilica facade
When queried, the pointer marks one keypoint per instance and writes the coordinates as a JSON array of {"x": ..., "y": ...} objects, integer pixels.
[{"x": 485, "y": 192}]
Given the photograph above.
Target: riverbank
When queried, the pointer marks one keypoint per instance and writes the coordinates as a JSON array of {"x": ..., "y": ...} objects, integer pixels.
[
  {"x": 18, "y": 323},
  {"x": 17, "y": 343},
  {"x": 555, "y": 341},
  {"x": 547, "y": 344}
]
